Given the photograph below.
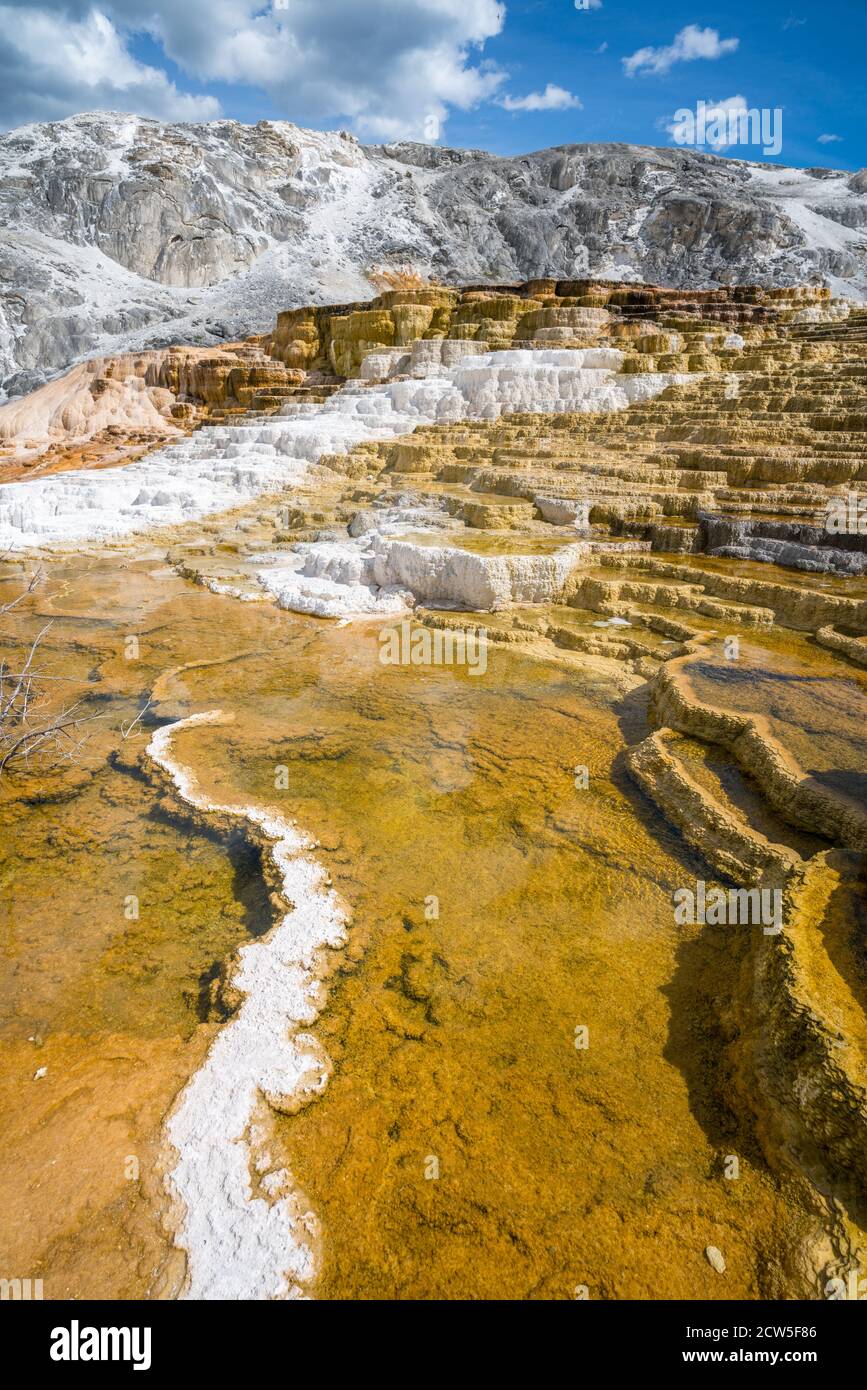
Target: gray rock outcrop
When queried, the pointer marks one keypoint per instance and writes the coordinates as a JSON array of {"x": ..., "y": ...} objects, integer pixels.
[{"x": 120, "y": 233}]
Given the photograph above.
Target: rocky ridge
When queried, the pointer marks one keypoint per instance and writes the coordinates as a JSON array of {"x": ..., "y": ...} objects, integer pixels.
[{"x": 122, "y": 234}]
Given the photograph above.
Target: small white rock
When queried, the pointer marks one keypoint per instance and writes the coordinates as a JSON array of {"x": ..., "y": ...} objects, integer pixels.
[
  {"x": 38, "y": 1075},
  {"x": 714, "y": 1258}
]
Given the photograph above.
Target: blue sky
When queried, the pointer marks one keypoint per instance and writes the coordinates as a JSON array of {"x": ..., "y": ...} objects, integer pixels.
[
  {"x": 507, "y": 77},
  {"x": 813, "y": 69}
]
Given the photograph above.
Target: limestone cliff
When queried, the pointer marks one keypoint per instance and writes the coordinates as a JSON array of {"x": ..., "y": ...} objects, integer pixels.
[{"x": 121, "y": 233}]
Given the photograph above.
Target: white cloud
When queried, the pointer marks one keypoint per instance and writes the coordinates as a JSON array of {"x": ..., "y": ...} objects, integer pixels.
[
  {"x": 389, "y": 69},
  {"x": 690, "y": 43},
  {"x": 588, "y": 4},
  {"x": 830, "y": 139},
  {"x": 553, "y": 98},
  {"x": 603, "y": 48},
  {"x": 720, "y": 123},
  {"x": 51, "y": 66}
]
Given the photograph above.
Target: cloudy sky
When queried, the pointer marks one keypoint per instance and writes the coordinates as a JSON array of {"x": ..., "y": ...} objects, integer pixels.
[{"x": 502, "y": 76}]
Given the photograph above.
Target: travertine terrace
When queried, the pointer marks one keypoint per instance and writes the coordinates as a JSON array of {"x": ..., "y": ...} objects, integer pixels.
[
  {"x": 743, "y": 462},
  {"x": 107, "y": 410},
  {"x": 652, "y": 502}
]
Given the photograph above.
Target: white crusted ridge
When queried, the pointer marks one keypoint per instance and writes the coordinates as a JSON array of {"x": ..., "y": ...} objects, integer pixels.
[
  {"x": 222, "y": 467},
  {"x": 383, "y": 575},
  {"x": 241, "y": 1245}
]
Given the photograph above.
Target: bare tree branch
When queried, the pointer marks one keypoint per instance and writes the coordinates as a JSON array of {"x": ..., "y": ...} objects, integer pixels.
[
  {"x": 35, "y": 580},
  {"x": 31, "y": 724},
  {"x": 126, "y": 729}
]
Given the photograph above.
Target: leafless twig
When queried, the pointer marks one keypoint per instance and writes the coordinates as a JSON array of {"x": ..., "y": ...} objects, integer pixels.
[
  {"x": 31, "y": 724},
  {"x": 126, "y": 729}
]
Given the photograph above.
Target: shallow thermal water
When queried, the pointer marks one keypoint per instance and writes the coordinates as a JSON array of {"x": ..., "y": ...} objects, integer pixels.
[
  {"x": 464, "y": 1146},
  {"x": 846, "y": 586},
  {"x": 814, "y": 706},
  {"x": 488, "y": 543}
]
